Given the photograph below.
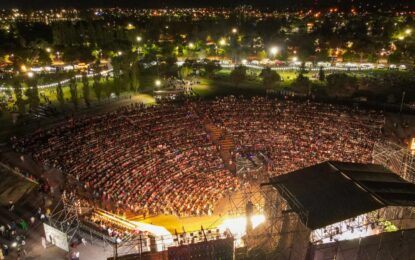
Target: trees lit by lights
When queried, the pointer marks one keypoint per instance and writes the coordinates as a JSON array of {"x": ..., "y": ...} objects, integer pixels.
[
  {"x": 408, "y": 31},
  {"x": 191, "y": 45},
  {"x": 48, "y": 50},
  {"x": 222, "y": 42},
  {"x": 30, "y": 74}
]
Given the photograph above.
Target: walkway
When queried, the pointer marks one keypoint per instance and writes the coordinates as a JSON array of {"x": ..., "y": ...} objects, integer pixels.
[{"x": 225, "y": 143}]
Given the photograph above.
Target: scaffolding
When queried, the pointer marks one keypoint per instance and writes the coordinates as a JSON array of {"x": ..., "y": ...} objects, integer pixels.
[
  {"x": 396, "y": 158},
  {"x": 65, "y": 215}
]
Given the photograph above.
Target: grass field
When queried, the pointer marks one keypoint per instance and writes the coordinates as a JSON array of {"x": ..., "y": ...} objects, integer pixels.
[{"x": 13, "y": 187}]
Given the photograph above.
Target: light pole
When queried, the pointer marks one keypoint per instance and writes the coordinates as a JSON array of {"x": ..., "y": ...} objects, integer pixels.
[
  {"x": 157, "y": 82},
  {"x": 403, "y": 98},
  {"x": 273, "y": 51}
]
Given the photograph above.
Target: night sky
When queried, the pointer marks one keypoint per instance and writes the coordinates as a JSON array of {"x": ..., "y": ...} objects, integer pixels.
[{"x": 39, "y": 4}]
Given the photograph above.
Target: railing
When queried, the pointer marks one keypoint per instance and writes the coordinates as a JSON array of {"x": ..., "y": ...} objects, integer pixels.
[{"x": 62, "y": 82}]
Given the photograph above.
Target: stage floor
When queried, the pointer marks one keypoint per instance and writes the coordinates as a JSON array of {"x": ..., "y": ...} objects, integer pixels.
[{"x": 230, "y": 207}]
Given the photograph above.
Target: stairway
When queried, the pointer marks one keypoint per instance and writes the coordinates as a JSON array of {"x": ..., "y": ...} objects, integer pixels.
[{"x": 225, "y": 143}]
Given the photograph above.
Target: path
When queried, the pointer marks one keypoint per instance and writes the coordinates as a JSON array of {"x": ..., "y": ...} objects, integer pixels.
[{"x": 225, "y": 143}]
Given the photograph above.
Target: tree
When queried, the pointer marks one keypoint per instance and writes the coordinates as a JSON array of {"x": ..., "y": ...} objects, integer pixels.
[
  {"x": 303, "y": 69},
  {"x": 321, "y": 74},
  {"x": 108, "y": 88},
  {"x": 77, "y": 54},
  {"x": 97, "y": 86},
  {"x": 134, "y": 77},
  {"x": 269, "y": 77},
  {"x": 74, "y": 92},
  {"x": 60, "y": 96},
  {"x": 302, "y": 84},
  {"x": 238, "y": 75},
  {"x": 33, "y": 94},
  {"x": 211, "y": 68},
  {"x": 185, "y": 71},
  {"x": 44, "y": 58},
  {"x": 86, "y": 90},
  {"x": 342, "y": 83},
  {"x": 18, "y": 92},
  {"x": 395, "y": 57}
]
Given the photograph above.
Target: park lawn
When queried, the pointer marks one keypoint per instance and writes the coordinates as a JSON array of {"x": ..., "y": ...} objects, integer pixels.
[
  {"x": 210, "y": 88},
  {"x": 144, "y": 98},
  {"x": 147, "y": 83},
  {"x": 13, "y": 187}
]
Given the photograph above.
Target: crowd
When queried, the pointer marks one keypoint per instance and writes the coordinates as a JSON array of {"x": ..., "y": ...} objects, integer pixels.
[
  {"x": 148, "y": 160},
  {"x": 161, "y": 159},
  {"x": 295, "y": 135},
  {"x": 13, "y": 231}
]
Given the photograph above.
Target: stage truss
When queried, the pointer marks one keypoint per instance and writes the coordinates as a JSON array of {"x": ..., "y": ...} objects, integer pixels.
[
  {"x": 64, "y": 216},
  {"x": 397, "y": 158}
]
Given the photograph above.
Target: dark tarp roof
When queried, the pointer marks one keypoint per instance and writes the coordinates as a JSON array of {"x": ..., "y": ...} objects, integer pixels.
[{"x": 334, "y": 191}]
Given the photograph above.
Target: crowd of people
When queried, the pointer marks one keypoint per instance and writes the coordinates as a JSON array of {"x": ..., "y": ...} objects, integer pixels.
[
  {"x": 295, "y": 135},
  {"x": 162, "y": 160},
  {"x": 147, "y": 160}
]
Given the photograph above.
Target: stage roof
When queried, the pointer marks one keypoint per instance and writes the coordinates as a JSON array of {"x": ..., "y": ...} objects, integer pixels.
[{"x": 334, "y": 191}]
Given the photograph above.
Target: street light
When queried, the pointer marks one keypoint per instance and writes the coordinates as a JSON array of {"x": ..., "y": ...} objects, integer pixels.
[
  {"x": 139, "y": 38},
  {"x": 295, "y": 59},
  {"x": 157, "y": 83},
  {"x": 401, "y": 38},
  {"x": 234, "y": 30},
  {"x": 273, "y": 50},
  {"x": 222, "y": 42},
  {"x": 191, "y": 45},
  {"x": 30, "y": 74},
  {"x": 48, "y": 50},
  {"x": 408, "y": 31},
  {"x": 119, "y": 53}
]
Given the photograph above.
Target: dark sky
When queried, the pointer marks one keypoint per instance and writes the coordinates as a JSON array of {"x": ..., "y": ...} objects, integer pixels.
[{"x": 39, "y": 4}]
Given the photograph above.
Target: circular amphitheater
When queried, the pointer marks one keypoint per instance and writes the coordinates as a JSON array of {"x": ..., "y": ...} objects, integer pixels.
[{"x": 181, "y": 159}]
